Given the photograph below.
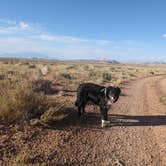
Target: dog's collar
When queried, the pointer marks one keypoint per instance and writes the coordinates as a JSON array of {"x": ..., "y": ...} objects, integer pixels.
[{"x": 104, "y": 90}]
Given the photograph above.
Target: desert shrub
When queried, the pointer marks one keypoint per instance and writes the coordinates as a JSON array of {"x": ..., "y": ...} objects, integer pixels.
[
  {"x": 32, "y": 66},
  {"x": 24, "y": 63},
  {"x": 21, "y": 103},
  {"x": 72, "y": 67},
  {"x": 112, "y": 69},
  {"x": 2, "y": 76},
  {"x": 132, "y": 75},
  {"x": 66, "y": 76},
  {"x": 124, "y": 77},
  {"x": 42, "y": 85},
  {"x": 152, "y": 72},
  {"x": 89, "y": 67},
  {"x": 129, "y": 68},
  {"x": 107, "y": 76},
  {"x": 163, "y": 100},
  {"x": 95, "y": 74},
  {"x": 86, "y": 67}
]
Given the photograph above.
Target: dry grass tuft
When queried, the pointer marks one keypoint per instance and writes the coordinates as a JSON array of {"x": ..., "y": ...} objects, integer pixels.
[
  {"x": 54, "y": 114},
  {"x": 21, "y": 103}
]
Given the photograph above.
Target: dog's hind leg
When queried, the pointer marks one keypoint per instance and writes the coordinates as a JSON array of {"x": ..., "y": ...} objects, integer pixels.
[
  {"x": 79, "y": 110},
  {"x": 84, "y": 105},
  {"x": 81, "y": 107}
]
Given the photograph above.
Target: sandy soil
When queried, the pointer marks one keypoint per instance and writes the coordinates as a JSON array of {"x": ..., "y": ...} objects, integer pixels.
[{"x": 137, "y": 135}]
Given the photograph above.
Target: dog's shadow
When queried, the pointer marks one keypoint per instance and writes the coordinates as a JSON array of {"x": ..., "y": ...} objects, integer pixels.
[
  {"x": 92, "y": 120},
  {"x": 88, "y": 120},
  {"x": 137, "y": 120}
]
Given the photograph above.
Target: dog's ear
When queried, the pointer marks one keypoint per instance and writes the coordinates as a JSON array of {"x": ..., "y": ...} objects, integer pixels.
[
  {"x": 118, "y": 89},
  {"x": 109, "y": 88}
]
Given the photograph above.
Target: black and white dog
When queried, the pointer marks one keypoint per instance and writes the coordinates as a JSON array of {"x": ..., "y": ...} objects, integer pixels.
[{"x": 102, "y": 96}]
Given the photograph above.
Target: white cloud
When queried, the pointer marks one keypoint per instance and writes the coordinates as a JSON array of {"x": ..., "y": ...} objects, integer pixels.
[
  {"x": 4, "y": 31},
  {"x": 71, "y": 39},
  {"x": 65, "y": 39},
  {"x": 47, "y": 37},
  {"x": 24, "y": 26},
  {"x": 5, "y": 21},
  {"x": 164, "y": 35},
  {"x": 30, "y": 30},
  {"x": 12, "y": 27}
]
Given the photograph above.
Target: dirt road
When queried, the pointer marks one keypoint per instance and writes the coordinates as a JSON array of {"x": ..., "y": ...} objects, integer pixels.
[{"x": 137, "y": 136}]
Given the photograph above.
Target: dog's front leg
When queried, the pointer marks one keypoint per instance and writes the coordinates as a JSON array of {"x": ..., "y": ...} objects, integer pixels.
[
  {"x": 104, "y": 120},
  {"x": 104, "y": 114},
  {"x": 79, "y": 111}
]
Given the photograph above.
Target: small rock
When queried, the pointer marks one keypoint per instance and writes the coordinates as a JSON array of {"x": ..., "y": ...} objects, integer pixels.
[
  {"x": 61, "y": 93},
  {"x": 44, "y": 70}
]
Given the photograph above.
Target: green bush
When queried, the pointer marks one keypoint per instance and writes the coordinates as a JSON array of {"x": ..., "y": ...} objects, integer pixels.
[
  {"x": 95, "y": 74},
  {"x": 66, "y": 76}
]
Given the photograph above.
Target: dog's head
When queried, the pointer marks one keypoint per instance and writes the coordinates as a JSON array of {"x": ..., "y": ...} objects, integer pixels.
[{"x": 112, "y": 94}]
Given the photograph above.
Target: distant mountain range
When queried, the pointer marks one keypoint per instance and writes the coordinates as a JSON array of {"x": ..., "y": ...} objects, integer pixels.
[
  {"x": 96, "y": 61},
  {"x": 34, "y": 55},
  {"x": 25, "y": 55}
]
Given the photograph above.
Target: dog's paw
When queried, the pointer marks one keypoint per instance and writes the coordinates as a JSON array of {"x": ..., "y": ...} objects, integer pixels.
[
  {"x": 105, "y": 123},
  {"x": 84, "y": 113}
]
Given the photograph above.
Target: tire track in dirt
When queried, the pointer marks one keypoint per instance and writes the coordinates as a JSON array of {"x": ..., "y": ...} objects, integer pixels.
[
  {"x": 145, "y": 134},
  {"x": 157, "y": 90}
]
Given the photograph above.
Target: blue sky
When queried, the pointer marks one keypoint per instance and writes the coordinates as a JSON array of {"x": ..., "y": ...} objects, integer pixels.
[{"x": 124, "y": 30}]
